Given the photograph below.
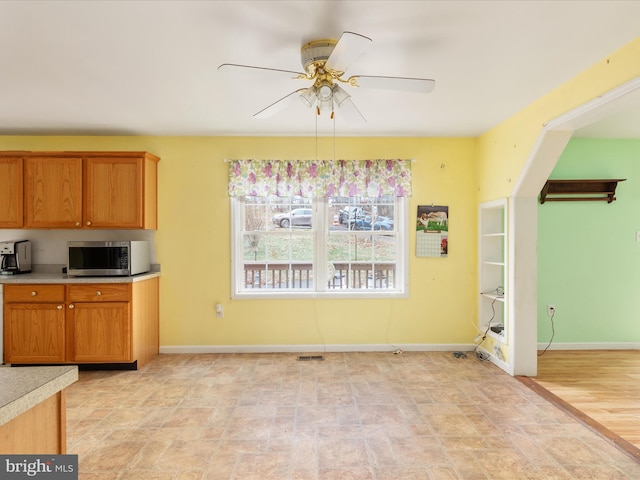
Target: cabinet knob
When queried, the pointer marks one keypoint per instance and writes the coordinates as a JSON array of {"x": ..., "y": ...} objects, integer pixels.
[
  {"x": 77, "y": 224},
  {"x": 59, "y": 307},
  {"x": 33, "y": 294},
  {"x": 98, "y": 293},
  {"x": 72, "y": 306},
  {"x": 88, "y": 223}
]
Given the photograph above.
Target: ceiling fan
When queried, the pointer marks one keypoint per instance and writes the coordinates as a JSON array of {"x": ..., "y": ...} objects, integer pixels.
[{"x": 325, "y": 62}]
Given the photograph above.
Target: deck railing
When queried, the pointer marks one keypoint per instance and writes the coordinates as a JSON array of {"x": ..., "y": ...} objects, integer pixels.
[{"x": 355, "y": 275}]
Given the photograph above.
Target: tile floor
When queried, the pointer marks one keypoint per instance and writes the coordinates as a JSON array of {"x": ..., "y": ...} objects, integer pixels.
[{"x": 374, "y": 416}]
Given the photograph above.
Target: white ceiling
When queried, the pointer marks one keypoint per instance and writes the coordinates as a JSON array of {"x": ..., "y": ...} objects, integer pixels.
[{"x": 150, "y": 67}]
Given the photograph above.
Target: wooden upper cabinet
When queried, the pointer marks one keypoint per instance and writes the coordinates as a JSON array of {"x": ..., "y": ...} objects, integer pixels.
[
  {"x": 114, "y": 191},
  {"x": 120, "y": 191},
  {"x": 53, "y": 192},
  {"x": 100, "y": 190},
  {"x": 11, "y": 193}
]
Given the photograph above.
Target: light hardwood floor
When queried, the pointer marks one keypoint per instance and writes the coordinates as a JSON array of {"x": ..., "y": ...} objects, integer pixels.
[{"x": 604, "y": 385}]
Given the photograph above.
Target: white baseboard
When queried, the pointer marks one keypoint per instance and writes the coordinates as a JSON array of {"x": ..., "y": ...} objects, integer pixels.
[
  {"x": 412, "y": 347},
  {"x": 591, "y": 346}
]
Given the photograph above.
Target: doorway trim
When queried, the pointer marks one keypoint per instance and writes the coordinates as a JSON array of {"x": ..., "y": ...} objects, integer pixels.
[{"x": 523, "y": 221}]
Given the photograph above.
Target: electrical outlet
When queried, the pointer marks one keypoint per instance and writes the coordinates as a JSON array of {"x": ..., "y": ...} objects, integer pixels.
[
  {"x": 551, "y": 310},
  {"x": 219, "y": 310}
]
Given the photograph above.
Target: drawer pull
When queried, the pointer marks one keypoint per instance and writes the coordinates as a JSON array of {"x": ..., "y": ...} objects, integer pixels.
[
  {"x": 72, "y": 306},
  {"x": 98, "y": 293},
  {"x": 33, "y": 294},
  {"x": 88, "y": 224},
  {"x": 59, "y": 307}
]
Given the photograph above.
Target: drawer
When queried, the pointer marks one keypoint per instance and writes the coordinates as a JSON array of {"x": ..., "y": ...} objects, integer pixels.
[
  {"x": 33, "y": 293},
  {"x": 99, "y": 292}
]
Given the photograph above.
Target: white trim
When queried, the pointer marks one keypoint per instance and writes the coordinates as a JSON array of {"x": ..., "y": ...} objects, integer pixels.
[
  {"x": 596, "y": 108},
  {"x": 551, "y": 141},
  {"x": 591, "y": 346},
  {"x": 496, "y": 361},
  {"x": 541, "y": 161},
  {"x": 523, "y": 288},
  {"x": 411, "y": 347},
  {"x": 321, "y": 234}
]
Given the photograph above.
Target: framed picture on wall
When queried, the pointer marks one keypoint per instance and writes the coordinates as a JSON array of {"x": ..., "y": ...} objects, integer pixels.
[{"x": 432, "y": 231}]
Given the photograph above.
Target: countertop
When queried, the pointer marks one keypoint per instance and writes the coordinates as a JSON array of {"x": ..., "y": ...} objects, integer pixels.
[
  {"x": 48, "y": 277},
  {"x": 25, "y": 387}
]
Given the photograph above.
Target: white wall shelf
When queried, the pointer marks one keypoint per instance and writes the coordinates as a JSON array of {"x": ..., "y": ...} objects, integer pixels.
[{"x": 493, "y": 269}]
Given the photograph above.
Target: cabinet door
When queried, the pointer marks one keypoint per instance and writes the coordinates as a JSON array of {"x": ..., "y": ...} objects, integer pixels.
[
  {"x": 114, "y": 191},
  {"x": 11, "y": 193},
  {"x": 34, "y": 333},
  {"x": 53, "y": 192},
  {"x": 99, "y": 332}
]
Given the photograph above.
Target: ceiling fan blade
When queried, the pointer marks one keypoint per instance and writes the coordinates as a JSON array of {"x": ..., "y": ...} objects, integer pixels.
[
  {"x": 279, "y": 105},
  {"x": 347, "y": 50},
  {"x": 351, "y": 113},
  {"x": 228, "y": 66},
  {"x": 420, "y": 85}
]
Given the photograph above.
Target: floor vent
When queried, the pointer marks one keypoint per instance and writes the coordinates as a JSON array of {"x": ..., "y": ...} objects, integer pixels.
[{"x": 306, "y": 358}]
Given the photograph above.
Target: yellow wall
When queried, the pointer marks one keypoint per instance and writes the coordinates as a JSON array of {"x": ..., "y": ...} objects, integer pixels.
[
  {"x": 193, "y": 240},
  {"x": 193, "y": 244},
  {"x": 504, "y": 150}
]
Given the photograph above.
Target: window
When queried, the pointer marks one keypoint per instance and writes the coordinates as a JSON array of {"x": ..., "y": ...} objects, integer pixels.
[
  {"x": 306, "y": 243},
  {"x": 328, "y": 246}
]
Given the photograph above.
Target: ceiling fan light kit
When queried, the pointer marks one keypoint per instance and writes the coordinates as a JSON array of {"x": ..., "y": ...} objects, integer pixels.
[
  {"x": 340, "y": 95},
  {"x": 308, "y": 96},
  {"x": 325, "y": 62}
]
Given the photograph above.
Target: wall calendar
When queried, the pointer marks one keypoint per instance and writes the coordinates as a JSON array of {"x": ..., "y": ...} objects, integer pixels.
[{"x": 432, "y": 231}]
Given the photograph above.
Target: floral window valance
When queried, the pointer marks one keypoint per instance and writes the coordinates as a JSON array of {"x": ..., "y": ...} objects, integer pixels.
[{"x": 320, "y": 178}]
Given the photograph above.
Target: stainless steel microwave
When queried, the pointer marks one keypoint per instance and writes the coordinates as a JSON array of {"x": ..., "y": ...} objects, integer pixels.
[{"x": 98, "y": 259}]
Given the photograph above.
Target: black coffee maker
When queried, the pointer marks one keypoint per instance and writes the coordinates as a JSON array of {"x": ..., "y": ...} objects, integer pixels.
[{"x": 15, "y": 257}]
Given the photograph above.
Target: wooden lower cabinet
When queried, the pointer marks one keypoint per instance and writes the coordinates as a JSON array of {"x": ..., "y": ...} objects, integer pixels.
[
  {"x": 92, "y": 323},
  {"x": 40, "y": 430},
  {"x": 36, "y": 332},
  {"x": 99, "y": 333}
]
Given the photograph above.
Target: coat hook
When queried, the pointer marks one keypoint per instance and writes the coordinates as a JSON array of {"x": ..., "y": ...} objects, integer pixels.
[{"x": 442, "y": 165}]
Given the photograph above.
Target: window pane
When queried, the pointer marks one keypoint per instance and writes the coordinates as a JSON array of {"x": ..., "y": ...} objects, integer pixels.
[
  {"x": 285, "y": 246},
  {"x": 254, "y": 247},
  {"x": 361, "y": 244},
  {"x": 255, "y": 214},
  {"x": 385, "y": 248},
  {"x": 361, "y": 213},
  {"x": 293, "y": 212}
]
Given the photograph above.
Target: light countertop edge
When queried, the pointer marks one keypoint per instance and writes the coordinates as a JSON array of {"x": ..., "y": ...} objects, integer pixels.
[
  {"x": 33, "y": 278},
  {"x": 25, "y": 387}
]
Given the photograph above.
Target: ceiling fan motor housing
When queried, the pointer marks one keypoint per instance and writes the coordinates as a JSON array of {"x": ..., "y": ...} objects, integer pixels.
[{"x": 315, "y": 54}]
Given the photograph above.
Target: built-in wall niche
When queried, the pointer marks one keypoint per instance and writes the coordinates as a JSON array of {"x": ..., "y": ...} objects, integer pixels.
[{"x": 492, "y": 269}]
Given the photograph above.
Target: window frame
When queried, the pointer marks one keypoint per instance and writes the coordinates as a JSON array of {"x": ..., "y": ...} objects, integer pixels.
[{"x": 321, "y": 233}]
